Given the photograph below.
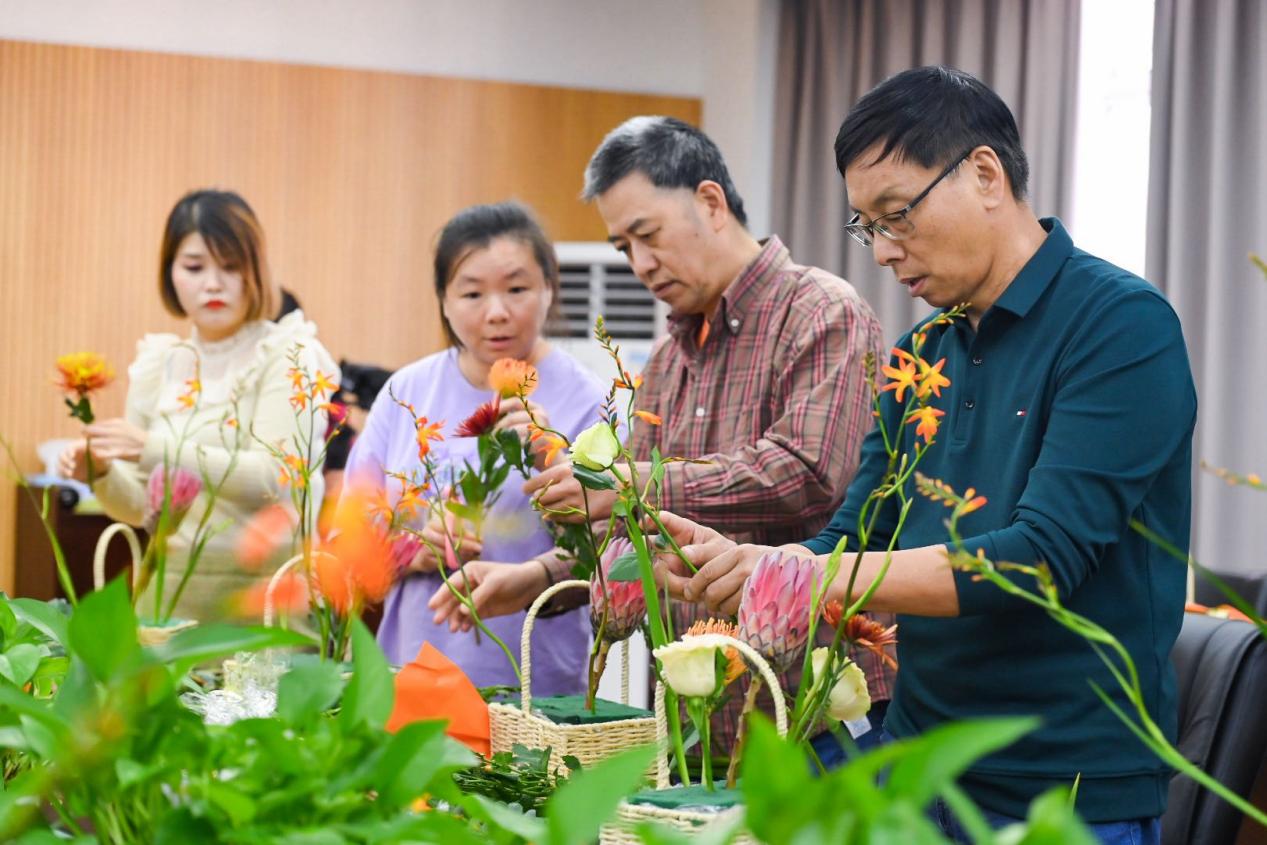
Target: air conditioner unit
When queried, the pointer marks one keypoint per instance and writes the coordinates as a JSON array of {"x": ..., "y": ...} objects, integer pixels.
[{"x": 596, "y": 279}]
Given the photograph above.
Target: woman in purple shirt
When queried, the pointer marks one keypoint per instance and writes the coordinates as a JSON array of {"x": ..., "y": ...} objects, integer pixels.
[{"x": 496, "y": 278}]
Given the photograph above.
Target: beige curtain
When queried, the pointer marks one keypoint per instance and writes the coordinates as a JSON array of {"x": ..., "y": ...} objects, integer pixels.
[
  {"x": 1207, "y": 205},
  {"x": 831, "y": 52}
]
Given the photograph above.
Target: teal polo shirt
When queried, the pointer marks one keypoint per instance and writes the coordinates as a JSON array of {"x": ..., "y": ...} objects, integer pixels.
[{"x": 1071, "y": 408}]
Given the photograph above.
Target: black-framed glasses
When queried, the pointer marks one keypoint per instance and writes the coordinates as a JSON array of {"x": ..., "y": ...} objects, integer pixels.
[{"x": 896, "y": 225}]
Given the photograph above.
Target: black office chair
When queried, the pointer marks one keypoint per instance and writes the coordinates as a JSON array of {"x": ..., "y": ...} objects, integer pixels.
[{"x": 1222, "y": 678}]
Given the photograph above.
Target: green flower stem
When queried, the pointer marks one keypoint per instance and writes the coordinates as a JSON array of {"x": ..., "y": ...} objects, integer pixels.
[{"x": 42, "y": 508}]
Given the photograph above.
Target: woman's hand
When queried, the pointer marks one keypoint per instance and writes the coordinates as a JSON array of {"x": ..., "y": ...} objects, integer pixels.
[
  {"x": 514, "y": 417},
  {"x": 71, "y": 463},
  {"x": 495, "y": 588},
  {"x": 464, "y": 546},
  {"x": 116, "y": 439}
]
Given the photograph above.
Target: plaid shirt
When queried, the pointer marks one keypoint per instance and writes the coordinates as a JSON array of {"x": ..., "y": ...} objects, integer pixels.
[{"x": 777, "y": 401}]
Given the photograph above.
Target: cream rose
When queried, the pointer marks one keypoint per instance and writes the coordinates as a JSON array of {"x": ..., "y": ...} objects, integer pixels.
[
  {"x": 690, "y": 665},
  {"x": 595, "y": 448},
  {"x": 849, "y": 699}
]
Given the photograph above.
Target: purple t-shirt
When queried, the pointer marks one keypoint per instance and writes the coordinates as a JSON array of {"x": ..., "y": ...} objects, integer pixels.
[{"x": 513, "y": 531}]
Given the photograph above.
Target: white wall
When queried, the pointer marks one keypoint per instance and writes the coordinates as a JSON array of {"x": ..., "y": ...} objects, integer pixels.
[{"x": 721, "y": 51}]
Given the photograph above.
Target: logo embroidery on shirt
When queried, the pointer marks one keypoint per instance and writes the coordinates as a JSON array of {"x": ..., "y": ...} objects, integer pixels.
[{"x": 1021, "y": 412}]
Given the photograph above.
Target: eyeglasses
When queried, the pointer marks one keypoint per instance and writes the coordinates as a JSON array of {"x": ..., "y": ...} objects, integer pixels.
[{"x": 896, "y": 225}]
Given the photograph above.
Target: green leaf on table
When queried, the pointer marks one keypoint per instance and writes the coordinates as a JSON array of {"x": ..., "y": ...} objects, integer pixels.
[
  {"x": 369, "y": 695},
  {"x": 102, "y": 631},
  {"x": 625, "y": 568},
  {"x": 575, "y": 813},
  {"x": 308, "y": 689},
  {"x": 592, "y": 479}
]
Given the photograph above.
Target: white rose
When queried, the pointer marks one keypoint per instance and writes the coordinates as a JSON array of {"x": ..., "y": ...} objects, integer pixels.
[
  {"x": 690, "y": 666},
  {"x": 596, "y": 447},
  {"x": 849, "y": 698}
]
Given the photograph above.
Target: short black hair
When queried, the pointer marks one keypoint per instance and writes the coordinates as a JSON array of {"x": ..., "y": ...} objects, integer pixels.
[
  {"x": 668, "y": 151},
  {"x": 930, "y": 115},
  {"x": 475, "y": 228}
]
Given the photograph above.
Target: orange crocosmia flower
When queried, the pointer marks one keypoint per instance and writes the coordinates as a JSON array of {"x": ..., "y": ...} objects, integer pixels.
[
  {"x": 83, "y": 372},
  {"x": 628, "y": 382},
  {"x": 553, "y": 445},
  {"x": 972, "y": 501},
  {"x": 297, "y": 378},
  {"x": 426, "y": 433},
  {"x": 410, "y": 502},
  {"x": 649, "y": 417},
  {"x": 364, "y": 555},
  {"x": 931, "y": 379},
  {"x": 926, "y": 417},
  {"x": 322, "y": 385},
  {"x": 903, "y": 376},
  {"x": 299, "y": 401},
  {"x": 509, "y": 377},
  {"x": 263, "y": 535}
]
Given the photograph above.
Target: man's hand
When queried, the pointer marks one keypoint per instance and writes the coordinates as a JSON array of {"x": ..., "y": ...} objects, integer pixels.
[
  {"x": 556, "y": 489},
  {"x": 495, "y": 588},
  {"x": 720, "y": 581},
  {"x": 699, "y": 545}
]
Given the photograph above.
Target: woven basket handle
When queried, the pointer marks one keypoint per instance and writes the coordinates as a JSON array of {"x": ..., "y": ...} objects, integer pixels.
[
  {"x": 272, "y": 586},
  {"x": 661, "y": 720},
  {"x": 103, "y": 543},
  {"x": 525, "y": 641}
]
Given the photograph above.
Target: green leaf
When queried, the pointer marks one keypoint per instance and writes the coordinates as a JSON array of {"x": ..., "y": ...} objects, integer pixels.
[
  {"x": 236, "y": 805},
  {"x": 8, "y": 623},
  {"x": 512, "y": 447},
  {"x": 369, "y": 695},
  {"x": 310, "y": 688},
  {"x": 575, "y": 813},
  {"x": 42, "y": 616},
  {"x": 625, "y": 568},
  {"x": 102, "y": 631},
  {"x": 413, "y": 758},
  {"x": 498, "y": 815},
  {"x": 19, "y": 663},
  {"x": 471, "y": 513},
  {"x": 935, "y": 759},
  {"x": 593, "y": 480},
  {"x": 1051, "y": 821},
  {"x": 776, "y": 775},
  {"x": 209, "y": 642}
]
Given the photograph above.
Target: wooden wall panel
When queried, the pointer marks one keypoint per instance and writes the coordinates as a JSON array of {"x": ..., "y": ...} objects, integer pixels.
[{"x": 351, "y": 172}]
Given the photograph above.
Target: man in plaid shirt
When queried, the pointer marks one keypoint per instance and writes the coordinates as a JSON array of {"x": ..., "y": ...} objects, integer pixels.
[{"x": 762, "y": 374}]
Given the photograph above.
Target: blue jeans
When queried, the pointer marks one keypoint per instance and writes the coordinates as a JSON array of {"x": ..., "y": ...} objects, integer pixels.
[{"x": 1133, "y": 832}]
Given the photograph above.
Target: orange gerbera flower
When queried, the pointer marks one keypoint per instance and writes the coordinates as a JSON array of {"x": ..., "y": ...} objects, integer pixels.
[
  {"x": 509, "y": 377},
  {"x": 735, "y": 665},
  {"x": 864, "y": 632},
  {"x": 931, "y": 379},
  {"x": 83, "y": 372},
  {"x": 357, "y": 567},
  {"x": 903, "y": 376},
  {"x": 926, "y": 417},
  {"x": 263, "y": 536}
]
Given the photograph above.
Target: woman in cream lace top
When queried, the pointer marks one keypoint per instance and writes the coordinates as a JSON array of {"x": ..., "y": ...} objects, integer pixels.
[{"x": 212, "y": 271}]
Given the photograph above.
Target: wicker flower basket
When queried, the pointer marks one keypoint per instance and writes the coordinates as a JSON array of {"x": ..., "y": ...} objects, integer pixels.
[
  {"x": 510, "y": 724},
  {"x": 629, "y": 814},
  {"x": 148, "y": 635}
]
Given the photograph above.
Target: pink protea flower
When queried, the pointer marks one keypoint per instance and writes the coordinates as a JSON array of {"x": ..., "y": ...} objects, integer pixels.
[
  {"x": 774, "y": 610},
  {"x": 626, "y": 605},
  {"x": 185, "y": 487}
]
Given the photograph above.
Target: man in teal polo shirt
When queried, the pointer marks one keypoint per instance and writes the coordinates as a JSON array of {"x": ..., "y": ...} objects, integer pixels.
[{"x": 1071, "y": 409}]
